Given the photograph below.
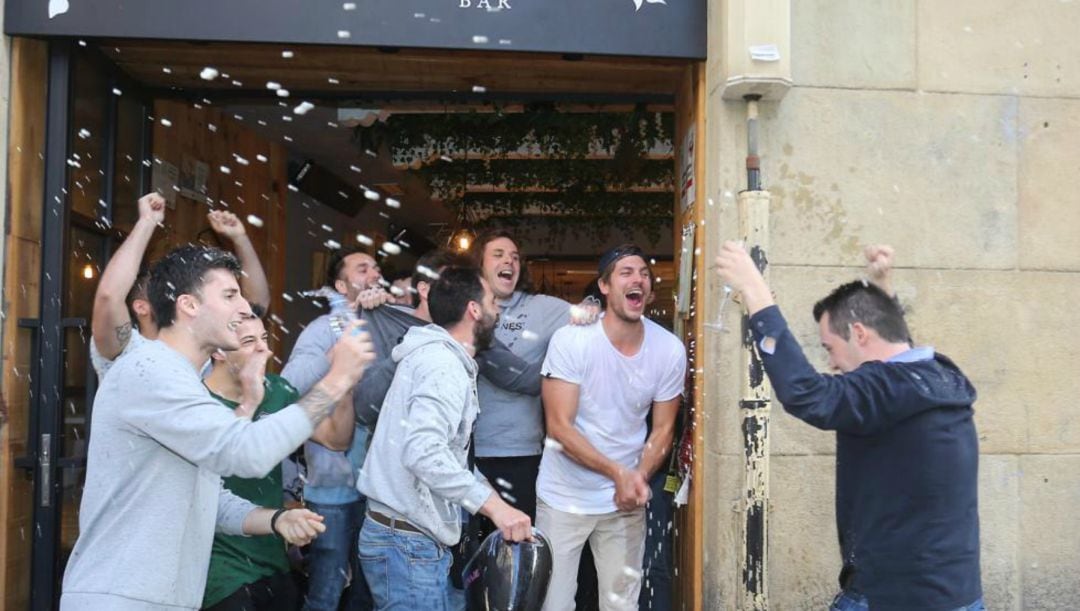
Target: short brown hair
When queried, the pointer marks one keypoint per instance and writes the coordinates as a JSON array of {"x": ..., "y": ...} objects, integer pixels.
[{"x": 476, "y": 252}]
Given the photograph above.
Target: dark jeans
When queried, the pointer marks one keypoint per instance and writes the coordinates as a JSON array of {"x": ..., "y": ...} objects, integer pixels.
[
  {"x": 518, "y": 471},
  {"x": 274, "y": 593},
  {"x": 332, "y": 557},
  {"x": 656, "y": 592}
]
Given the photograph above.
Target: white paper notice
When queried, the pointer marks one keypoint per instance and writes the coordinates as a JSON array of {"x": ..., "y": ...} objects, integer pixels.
[{"x": 764, "y": 53}]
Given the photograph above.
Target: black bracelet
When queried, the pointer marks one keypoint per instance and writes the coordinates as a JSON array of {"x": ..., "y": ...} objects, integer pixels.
[{"x": 274, "y": 519}]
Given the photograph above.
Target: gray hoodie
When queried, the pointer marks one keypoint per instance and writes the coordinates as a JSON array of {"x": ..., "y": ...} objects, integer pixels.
[{"x": 416, "y": 468}]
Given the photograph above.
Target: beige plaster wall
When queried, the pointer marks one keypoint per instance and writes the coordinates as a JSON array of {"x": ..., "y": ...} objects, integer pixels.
[{"x": 950, "y": 130}]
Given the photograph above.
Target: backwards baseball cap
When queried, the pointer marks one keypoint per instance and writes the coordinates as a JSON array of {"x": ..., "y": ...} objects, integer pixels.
[{"x": 612, "y": 256}]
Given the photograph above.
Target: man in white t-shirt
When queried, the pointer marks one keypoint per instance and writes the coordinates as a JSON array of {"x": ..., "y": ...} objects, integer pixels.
[{"x": 600, "y": 384}]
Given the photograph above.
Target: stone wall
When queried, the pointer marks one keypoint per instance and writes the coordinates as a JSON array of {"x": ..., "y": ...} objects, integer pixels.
[{"x": 949, "y": 130}]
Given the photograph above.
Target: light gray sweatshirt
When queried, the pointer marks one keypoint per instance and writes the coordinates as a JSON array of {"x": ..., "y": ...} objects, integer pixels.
[
  {"x": 153, "y": 493},
  {"x": 416, "y": 468},
  {"x": 511, "y": 423}
]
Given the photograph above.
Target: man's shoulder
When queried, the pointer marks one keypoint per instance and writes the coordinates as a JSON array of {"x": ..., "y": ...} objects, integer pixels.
[
  {"x": 575, "y": 334},
  {"x": 280, "y": 390},
  {"x": 662, "y": 339}
]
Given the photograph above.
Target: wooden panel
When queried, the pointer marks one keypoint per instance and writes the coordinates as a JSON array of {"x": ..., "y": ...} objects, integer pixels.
[
  {"x": 26, "y": 176},
  {"x": 366, "y": 69},
  {"x": 257, "y": 188},
  {"x": 690, "y": 113}
]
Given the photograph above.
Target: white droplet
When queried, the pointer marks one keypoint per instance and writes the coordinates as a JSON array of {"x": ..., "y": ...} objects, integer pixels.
[
  {"x": 332, "y": 244},
  {"x": 116, "y": 91},
  {"x": 241, "y": 160},
  {"x": 480, "y": 39},
  {"x": 372, "y": 195},
  {"x": 282, "y": 93},
  {"x": 208, "y": 74},
  {"x": 273, "y": 85},
  {"x": 332, "y": 80},
  {"x": 349, "y": 6},
  {"x": 354, "y": 168},
  {"x": 343, "y": 34},
  {"x": 529, "y": 336},
  {"x": 393, "y": 203},
  {"x": 287, "y": 54},
  {"x": 552, "y": 445},
  {"x": 479, "y": 89},
  {"x": 391, "y": 248},
  {"x": 84, "y": 133},
  {"x": 225, "y": 169},
  {"x": 167, "y": 70},
  {"x": 166, "y": 122},
  {"x": 254, "y": 221},
  {"x": 363, "y": 239},
  {"x": 261, "y": 158}
]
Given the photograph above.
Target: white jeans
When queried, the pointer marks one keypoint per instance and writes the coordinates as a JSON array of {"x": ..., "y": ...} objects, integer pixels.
[{"x": 617, "y": 540}]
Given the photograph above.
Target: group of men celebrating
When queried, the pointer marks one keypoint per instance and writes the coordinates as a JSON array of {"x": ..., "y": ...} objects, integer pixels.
[{"x": 478, "y": 398}]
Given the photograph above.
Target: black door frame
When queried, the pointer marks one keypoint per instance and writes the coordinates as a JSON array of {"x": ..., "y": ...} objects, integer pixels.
[{"x": 45, "y": 443}]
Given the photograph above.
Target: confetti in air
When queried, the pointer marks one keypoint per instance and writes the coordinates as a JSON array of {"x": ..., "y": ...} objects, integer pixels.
[
  {"x": 273, "y": 85},
  {"x": 166, "y": 122},
  {"x": 283, "y": 93},
  {"x": 363, "y": 239},
  {"x": 84, "y": 133},
  {"x": 287, "y": 54},
  {"x": 343, "y": 34},
  {"x": 393, "y": 203},
  {"x": 391, "y": 248},
  {"x": 303, "y": 108},
  {"x": 480, "y": 39},
  {"x": 254, "y": 221},
  {"x": 332, "y": 244},
  {"x": 261, "y": 158},
  {"x": 208, "y": 74},
  {"x": 372, "y": 195}
]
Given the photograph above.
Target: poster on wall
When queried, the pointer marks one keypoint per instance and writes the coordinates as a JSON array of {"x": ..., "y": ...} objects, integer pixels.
[
  {"x": 164, "y": 180},
  {"x": 687, "y": 188},
  {"x": 193, "y": 177}
]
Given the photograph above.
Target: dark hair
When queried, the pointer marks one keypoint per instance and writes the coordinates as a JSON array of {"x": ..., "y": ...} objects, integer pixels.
[
  {"x": 451, "y": 293},
  {"x": 593, "y": 290},
  {"x": 614, "y": 255},
  {"x": 182, "y": 272},
  {"x": 433, "y": 261},
  {"x": 865, "y": 303},
  {"x": 138, "y": 291},
  {"x": 476, "y": 252},
  {"x": 337, "y": 261}
]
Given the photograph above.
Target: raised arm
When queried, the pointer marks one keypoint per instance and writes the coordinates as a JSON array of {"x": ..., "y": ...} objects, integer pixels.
[
  {"x": 110, "y": 322},
  {"x": 879, "y": 264},
  {"x": 253, "y": 282}
]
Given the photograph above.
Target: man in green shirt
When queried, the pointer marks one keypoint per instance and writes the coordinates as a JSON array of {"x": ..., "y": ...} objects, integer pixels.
[{"x": 252, "y": 573}]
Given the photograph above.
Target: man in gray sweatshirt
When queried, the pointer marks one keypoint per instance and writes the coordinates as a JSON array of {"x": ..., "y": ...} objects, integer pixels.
[
  {"x": 161, "y": 443},
  {"x": 510, "y": 430},
  {"x": 416, "y": 476}
]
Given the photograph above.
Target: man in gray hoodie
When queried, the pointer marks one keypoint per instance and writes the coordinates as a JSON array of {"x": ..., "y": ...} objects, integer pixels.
[
  {"x": 416, "y": 476},
  {"x": 161, "y": 443}
]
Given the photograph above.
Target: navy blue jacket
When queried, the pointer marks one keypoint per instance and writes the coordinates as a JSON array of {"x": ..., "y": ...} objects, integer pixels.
[{"x": 907, "y": 461}]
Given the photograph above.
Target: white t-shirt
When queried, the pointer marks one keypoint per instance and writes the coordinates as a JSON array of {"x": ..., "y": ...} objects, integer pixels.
[
  {"x": 102, "y": 364},
  {"x": 616, "y": 394}
]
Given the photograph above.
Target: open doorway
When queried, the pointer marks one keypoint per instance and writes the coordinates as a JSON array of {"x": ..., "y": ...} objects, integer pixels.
[{"x": 400, "y": 150}]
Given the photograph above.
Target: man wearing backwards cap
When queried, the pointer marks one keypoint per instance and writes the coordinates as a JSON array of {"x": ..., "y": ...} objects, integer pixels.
[{"x": 600, "y": 382}]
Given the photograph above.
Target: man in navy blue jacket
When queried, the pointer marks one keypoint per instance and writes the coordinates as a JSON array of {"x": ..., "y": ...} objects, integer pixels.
[{"x": 907, "y": 454}]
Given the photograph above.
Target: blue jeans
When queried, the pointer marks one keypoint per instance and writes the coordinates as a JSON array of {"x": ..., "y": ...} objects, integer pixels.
[
  {"x": 332, "y": 556},
  {"x": 850, "y": 601},
  {"x": 656, "y": 592},
  {"x": 406, "y": 571}
]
